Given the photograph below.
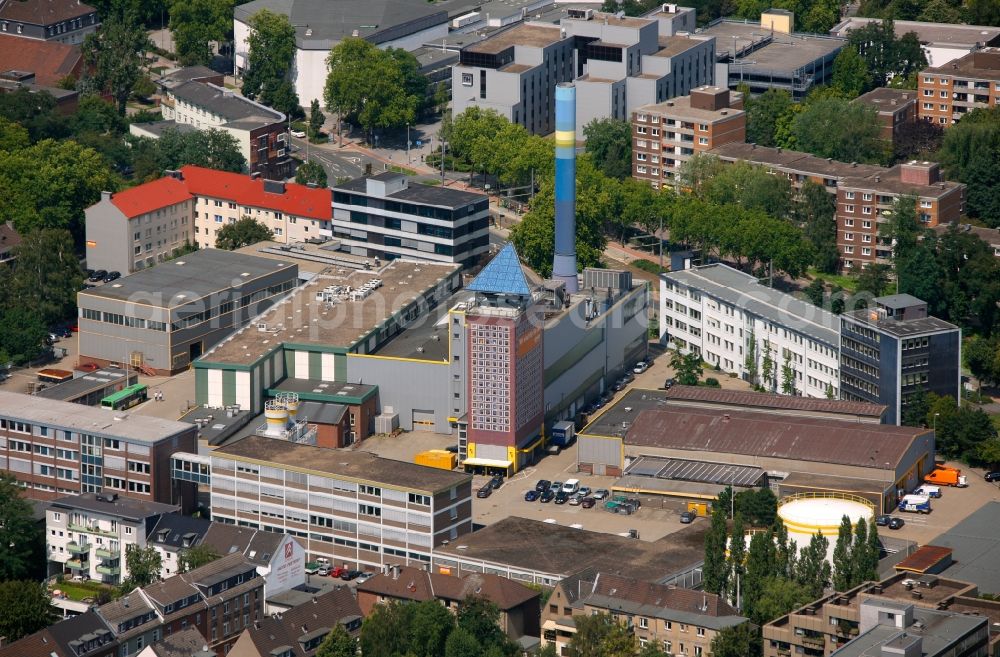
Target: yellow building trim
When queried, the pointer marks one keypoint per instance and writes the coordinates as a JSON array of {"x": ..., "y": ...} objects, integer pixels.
[
  {"x": 525, "y": 450},
  {"x": 648, "y": 491},
  {"x": 398, "y": 359}
]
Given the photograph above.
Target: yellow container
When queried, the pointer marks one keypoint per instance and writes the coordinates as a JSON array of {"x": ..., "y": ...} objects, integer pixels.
[
  {"x": 437, "y": 458},
  {"x": 701, "y": 508}
]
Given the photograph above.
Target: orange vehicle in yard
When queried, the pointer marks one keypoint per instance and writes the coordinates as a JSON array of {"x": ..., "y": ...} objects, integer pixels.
[{"x": 943, "y": 475}]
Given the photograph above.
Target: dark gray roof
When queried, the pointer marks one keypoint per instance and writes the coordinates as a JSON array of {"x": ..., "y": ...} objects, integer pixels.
[
  {"x": 159, "y": 127},
  {"x": 902, "y": 328},
  {"x": 187, "y": 74},
  {"x": 256, "y": 545},
  {"x": 75, "y": 627},
  {"x": 321, "y": 413},
  {"x": 939, "y": 630},
  {"x": 899, "y": 301},
  {"x": 745, "y": 292},
  {"x": 215, "y": 426},
  {"x": 976, "y": 548},
  {"x": 225, "y": 103},
  {"x": 186, "y": 643},
  {"x": 444, "y": 197},
  {"x": 177, "y": 527},
  {"x": 196, "y": 275},
  {"x": 320, "y": 24},
  {"x": 126, "y": 508},
  {"x": 90, "y": 382}
]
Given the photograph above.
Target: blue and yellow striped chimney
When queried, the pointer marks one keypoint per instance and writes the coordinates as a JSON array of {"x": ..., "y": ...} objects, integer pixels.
[{"x": 564, "y": 261}]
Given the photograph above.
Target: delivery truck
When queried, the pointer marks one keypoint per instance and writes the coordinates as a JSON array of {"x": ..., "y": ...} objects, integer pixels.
[
  {"x": 915, "y": 503},
  {"x": 562, "y": 434},
  {"x": 943, "y": 475}
]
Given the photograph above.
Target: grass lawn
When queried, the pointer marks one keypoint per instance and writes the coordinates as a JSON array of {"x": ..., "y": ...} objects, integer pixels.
[
  {"x": 846, "y": 282},
  {"x": 80, "y": 590}
]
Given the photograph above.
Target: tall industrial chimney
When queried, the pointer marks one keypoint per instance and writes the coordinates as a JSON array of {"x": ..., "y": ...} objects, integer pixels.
[{"x": 564, "y": 261}]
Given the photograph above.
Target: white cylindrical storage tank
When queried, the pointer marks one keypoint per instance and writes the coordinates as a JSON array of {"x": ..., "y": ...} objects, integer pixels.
[
  {"x": 277, "y": 418},
  {"x": 805, "y": 514}
]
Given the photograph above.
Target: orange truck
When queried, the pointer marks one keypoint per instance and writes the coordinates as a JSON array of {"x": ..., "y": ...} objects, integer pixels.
[{"x": 943, "y": 475}]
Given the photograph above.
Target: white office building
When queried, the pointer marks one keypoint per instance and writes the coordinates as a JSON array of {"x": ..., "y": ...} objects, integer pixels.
[{"x": 719, "y": 312}]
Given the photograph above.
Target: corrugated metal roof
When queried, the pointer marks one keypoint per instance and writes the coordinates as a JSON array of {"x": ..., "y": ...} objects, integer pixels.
[
  {"x": 769, "y": 400},
  {"x": 758, "y": 434},
  {"x": 925, "y": 558}
]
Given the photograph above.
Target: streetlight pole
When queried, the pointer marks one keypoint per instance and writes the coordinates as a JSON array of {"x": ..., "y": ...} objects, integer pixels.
[{"x": 407, "y": 143}]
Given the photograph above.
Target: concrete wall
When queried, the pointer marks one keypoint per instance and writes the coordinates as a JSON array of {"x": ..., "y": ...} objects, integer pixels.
[
  {"x": 107, "y": 237},
  {"x": 407, "y": 385}
]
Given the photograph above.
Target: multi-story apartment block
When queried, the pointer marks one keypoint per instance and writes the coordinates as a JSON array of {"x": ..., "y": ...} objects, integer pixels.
[
  {"x": 162, "y": 319},
  {"x": 139, "y": 227},
  {"x": 220, "y": 599},
  {"x": 384, "y": 216},
  {"x": 863, "y": 206},
  {"x": 351, "y": 507},
  {"x": 63, "y": 21},
  {"x": 57, "y": 448},
  {"x": 735, "y": 322},
  {"x": 948, "y": 92},
  {"x": 666, "y": 135},
  {"x": 936, "y": 611},
  {"x": 261, "y": 131},
  {"x": 84, "y": 635},
  {"x": 90, "y": 534},
  {"x": 678, "y": 621},
  {"x": 135, "y": 229},
  {"x": 616, "y": 62},
  {"x": 893, "y": 349},
  {"x": 989, "y": 235},
  {"x": 797, "y": 166},
  {"x": 897, "y": 108}
]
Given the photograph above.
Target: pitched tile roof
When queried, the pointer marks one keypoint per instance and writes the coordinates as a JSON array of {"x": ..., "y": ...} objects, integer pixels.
[
  {"x": 186, "y": 643},
  {"x": 754, "y": 399},
  {"x": 417, "y": 584},
  {"x": 321, "y": 613},
  {"x": 295, "y": 199},
  {"x": 256, "y": 545},
  {"x": 151, "y": 196},
  {"x": 174, "y": 527},
  {"x": 618, "y": 593},
  {"x": 55, "y": 640},
  {"x": 43, "y": 12},
  {"x": 48, "y": 60}
]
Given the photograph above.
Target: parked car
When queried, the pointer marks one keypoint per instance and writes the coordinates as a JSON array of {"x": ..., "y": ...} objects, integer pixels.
[
  {"x": 485, "y": 491},
  {"x": 547, "y": 496},
  {"x": 571, "y": 486},
  {"x": 562, "y": 498},
  {"x": 688, "y": 517},
  {"x": 531, "y": 495},
  {"x": 337, "y": 571},
  {"x": 896, "y": 523},
  {"x": 543, "y": 485},
  {"x": 619, "y": 385},
  {"x": 992, "y": 476},
  {"x": 298, "y": 133},
  {"x": 364, "y": 577},
  {"x": 588, "y": 502},
  {"x": 556, "y": 486},
  {"x": 575, "y": 499},
  {"x": 351, "y": 574},
  {"x": 640, "y": 367},
  {"x": 496, "y": 482},
  {"x": 323, "y": 571},
  {"x": 928, "y": 490},
  {"x": 112, "y": 275},
  {"x": 668, "y": 384},
  {"x": 601, "y": 494},
  {"x": 53, "y": 338},
  {"x": 584, "y": 491},
  {"x": 97, "y": 276},
  {"x": 883, "y": 520},
  {"x": 629, "y": 377}
]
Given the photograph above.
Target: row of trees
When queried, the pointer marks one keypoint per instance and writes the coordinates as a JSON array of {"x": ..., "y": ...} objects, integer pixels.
[
  {"x": 970, "y": 153},
  {"x": 855, "y": 555},
  {"x": 974, "y": 12}
]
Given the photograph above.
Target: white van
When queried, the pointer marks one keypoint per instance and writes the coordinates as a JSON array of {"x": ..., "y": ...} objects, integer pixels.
[{"x": 571, "y": 486}]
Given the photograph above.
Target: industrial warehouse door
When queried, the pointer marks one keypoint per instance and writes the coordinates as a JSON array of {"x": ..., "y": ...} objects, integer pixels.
[{"x": 423, "y": 419}]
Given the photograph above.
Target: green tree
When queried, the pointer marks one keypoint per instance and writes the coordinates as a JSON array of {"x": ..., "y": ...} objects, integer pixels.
[
  {"x": 960, "y": 433},
  {"x": 873, "y": 279},
  {"x": 763, "y": 114},
  {"x": 36, "y": 112},
  {"x": 311, "y": 172},
  {"x": 968, "y": 150},
  {"x": 460, "y": 643},
  {"x": 816, "y": 292},
  {"x": 143, "y": 565},
  {"x": 715, "y": 575},
  {"x": 196, "y": 557},
  {"x": 982, "y": 12},
  {"x": 737, "y": 558},
  {"x": 270, "y": 54},
  {"x": 386, "y": 632},
  {"x": 372, "y": 87},
  {"x": 759, "y": 507},
  {"x": 850, "y": 74},
  {"x": 988, "y": 451},
  {"x": 13, "y": 137},
  {"x": 813, "y": 570},
  {"x": 687, "y": 367},
  {"x": 22, "y": 334},
  {"x": 750, "y": 187},
  {"x": 750, "y": 361},
  {"x": 915, "y": 408},
  {"x": 780, "y": 596},
  {"x": 49, "y": 185},
  {"x": 767, "y": 367},
  {"x": 787, "y": 375},
  {"x": 609, "y": 142},
  {"x": 22, "y": 543},
  {"x": 338, "y": 643},
  {"x": 982, "y": 357},
  {"x": 27, "y": 608},
  {"x": 48, "y": 275},
  {"x": 761, "y": 561},
  {"x": 737, "y": 641},
  {"x": 600, "y": 635},
  {"x": 316, "y": 120},
  {"x": 651, "y": 649},
  {"x": 866, "y": 551},
  {"x": 212, "y": 149},
  {"x": 840, "y": 129},
  {"x": 886, "y": 56},
  {"x": 481, "y": 618},
  {"x": 430, "y": 626},
  {"x": 114, "y": 55},
  {"x": 242, "y": 232},
  {"x": 814, "y": 210},
  {"x": 785, "y": 551},
  {"x": 195, "y": 24},
  {"x": 939, "y": 11},
  {"x": 844, "y": 557}
]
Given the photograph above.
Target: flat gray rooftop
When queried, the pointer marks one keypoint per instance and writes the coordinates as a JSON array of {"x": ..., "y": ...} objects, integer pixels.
[
  {"x": 225, "y": 103},
  {"x": 189, "y": 278},
  {"x": 443, "y": 197},
  {"x": 216, "y": 426},
  {"x": 939, "y": 630},
  {"x": 976, "y": 548},
  {"x": 615, "y": 420},
  {"x": 88, "y": 419},
  {"x": 128, "y": 508},
  {"x": 745, "y": 292},
  {"x": 904, "y": 328},
  {"x": 784, "y": 52},
  {"x": 697, "y": 471},
  {"x": 90, "y": 382},
  {"x": 940, "y": 34},
  {"x": 427, "y": 338}
]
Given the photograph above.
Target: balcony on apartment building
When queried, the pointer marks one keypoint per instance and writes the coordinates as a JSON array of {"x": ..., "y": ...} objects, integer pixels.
[{"x": 78, "y": 548}]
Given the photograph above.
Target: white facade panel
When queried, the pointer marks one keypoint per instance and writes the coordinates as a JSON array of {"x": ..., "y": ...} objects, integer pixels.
[
  {"x": 243, "y": 396},
  {"x": 301, "y": 364},
  {"x": 214, "y": 388},
  {"x": 328, "y": 370}
]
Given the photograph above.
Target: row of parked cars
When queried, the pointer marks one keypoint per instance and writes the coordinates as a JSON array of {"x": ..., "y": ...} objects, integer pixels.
[
  {"x": 569, "y": 492},
  {"x": 490, "y": 486},
  {"x": 101, "y": 275},
  {"x": 324, "y": 568}
]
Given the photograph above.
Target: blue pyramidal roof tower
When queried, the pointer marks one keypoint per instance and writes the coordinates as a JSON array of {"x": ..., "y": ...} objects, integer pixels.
[{"x": 502, "y": 275}]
